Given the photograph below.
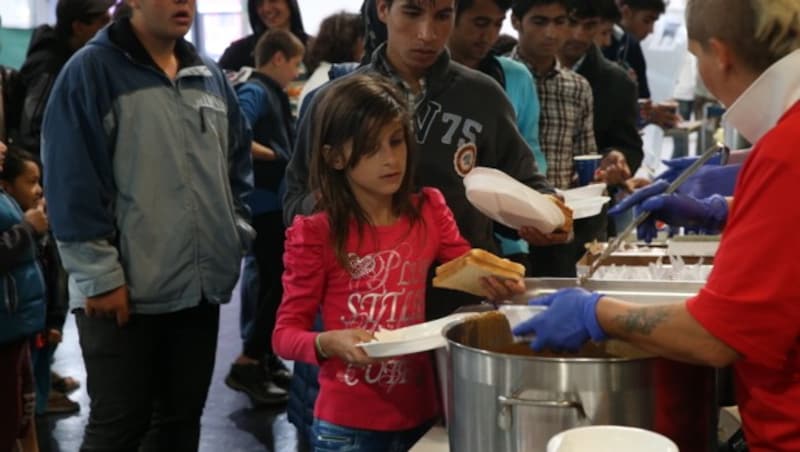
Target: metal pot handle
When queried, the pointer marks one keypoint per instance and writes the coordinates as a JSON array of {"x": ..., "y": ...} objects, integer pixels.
[{"x": 505, "y": 416}]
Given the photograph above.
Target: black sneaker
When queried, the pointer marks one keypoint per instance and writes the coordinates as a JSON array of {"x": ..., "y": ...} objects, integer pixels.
[
  {"x": 252, "y": 380},
  {"x": 278, "y": 371}
]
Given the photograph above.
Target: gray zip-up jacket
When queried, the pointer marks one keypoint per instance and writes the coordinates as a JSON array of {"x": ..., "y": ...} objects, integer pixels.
[
  {"x": 145, "y": 177},
  {"x": 460, "y": 106}
]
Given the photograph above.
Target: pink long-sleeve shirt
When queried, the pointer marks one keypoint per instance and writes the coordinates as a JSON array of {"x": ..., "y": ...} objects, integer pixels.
[{"x": 386, "y": 289}]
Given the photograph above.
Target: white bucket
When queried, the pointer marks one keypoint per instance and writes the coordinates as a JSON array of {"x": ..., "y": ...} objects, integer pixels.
[{"x": 610, "y": 438}]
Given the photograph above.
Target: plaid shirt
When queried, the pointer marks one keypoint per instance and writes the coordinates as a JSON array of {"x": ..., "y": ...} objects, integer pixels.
[
  {"x": 412, "y": 100},
  {"x": 566, "y": 122}
]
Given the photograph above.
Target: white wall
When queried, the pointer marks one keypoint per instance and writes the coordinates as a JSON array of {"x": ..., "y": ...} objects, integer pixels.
[
  {"x": 26, "y": 13},
  {"x": 314, "y": 11}
]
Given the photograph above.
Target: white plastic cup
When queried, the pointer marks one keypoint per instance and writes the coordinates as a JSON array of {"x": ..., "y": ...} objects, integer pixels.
[{"x": 610, "y": 438}]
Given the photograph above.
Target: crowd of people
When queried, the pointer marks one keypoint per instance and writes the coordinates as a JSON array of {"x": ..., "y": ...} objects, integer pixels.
[{"x": 168, "y": 177}]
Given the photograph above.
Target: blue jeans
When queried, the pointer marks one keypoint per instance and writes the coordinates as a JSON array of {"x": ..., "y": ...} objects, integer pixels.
[
  {"x": 40, "y": 360},
  {"x": 334, "y": 438}
]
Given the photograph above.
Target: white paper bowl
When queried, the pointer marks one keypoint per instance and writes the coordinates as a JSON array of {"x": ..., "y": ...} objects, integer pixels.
[
  {"x": 587, "y": 207},
  {"x": 610, "y": 438},
  {"x": 510, "y": 202},
  {"x": 421, "y": 337},
  {"x": 587, "y": 191},
  {"x": 518, "y": 313}
]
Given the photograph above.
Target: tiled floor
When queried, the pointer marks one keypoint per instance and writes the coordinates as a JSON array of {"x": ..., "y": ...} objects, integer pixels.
[{"x": 229, "y": 424}]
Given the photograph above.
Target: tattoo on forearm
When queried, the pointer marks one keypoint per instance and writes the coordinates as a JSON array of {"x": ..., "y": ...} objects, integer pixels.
[{"x": 642, "y": 321}]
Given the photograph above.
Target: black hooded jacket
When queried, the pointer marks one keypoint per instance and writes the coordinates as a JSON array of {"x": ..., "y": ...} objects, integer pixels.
[
  {"x": 48, "y": 52},
  {"x": 242, "y": 52}
]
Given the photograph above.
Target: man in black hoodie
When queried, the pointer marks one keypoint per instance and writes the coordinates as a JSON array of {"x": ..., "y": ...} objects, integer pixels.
[
  {"x": 242, "y": 52},
  {"x": 613, "y": 91},
  {"x": 50, "y": 48},
  {"x": 462, "y": 120}
]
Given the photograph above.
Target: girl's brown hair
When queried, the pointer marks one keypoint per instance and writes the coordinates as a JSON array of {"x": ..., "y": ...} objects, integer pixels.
[{"x": 355, "y": 109}]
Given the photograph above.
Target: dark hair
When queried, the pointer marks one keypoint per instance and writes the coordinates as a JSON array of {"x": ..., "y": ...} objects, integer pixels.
[
  {"x": 274, "y": 41},
  {"x": 583, "y": 9},
  {"x": 521, "y": 7},
  {"x": 121, "y": 10},
  {"x": 504, "y": 44},
  {"x": 14, "y": 164},
  {"x": 608, "y": 10},
  {"x": 64, "y": 24},
  {"x": 658, "y": 6},
  {"x": 464, "y": 5},
  {"x": 337, "y": 37},
  {"x": 355, "y": 109},
  {"x": 295, "y": 19}
]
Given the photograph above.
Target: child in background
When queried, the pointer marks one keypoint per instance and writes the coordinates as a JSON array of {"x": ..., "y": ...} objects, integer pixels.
[
  {"x": 22, "y": 314},
  {"x": 21, "y": 179},
  {"x": 257, "y": 371},
  {"x": 362, "y": 261}
]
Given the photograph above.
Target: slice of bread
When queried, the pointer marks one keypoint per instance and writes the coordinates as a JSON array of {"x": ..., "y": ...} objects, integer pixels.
[
  {"x": 567, "y": 226},
  {"x": 465, "y": 272}
]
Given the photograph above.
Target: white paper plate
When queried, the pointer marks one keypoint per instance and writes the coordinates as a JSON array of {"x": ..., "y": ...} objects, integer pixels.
[
  {"x": 510, "y": 202},
  {"x": 411, "y": 339},
  {"x": 587, "y": 207},
  {"x": 518, "y": 313},
  {"x": 587, "y": 191}
]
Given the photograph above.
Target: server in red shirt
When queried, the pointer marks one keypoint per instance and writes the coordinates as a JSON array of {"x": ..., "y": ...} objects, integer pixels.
[
  {"x": 748, "y": 314},
  {"x": 362, "y": 262}
]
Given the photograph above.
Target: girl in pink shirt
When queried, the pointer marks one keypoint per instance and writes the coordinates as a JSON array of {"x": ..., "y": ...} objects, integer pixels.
[{"x": 362, "y": 262}]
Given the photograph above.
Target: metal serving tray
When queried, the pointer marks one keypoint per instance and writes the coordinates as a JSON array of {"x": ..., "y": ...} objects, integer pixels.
[{"x": 644, "y": 292}]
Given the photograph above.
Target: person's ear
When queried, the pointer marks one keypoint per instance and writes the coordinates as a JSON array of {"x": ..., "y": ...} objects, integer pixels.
[
  {"x": 723, "y": 55},
  {"x": 383, "y": 10},
  {"x": 278, "y": 59}
]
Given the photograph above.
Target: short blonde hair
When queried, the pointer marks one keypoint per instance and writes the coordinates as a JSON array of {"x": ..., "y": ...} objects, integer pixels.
[{"x": 760, "y": 32}]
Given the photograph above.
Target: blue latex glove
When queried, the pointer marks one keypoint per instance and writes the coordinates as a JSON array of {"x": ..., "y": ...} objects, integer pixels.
[
  {"x": 637, "y": 197},
  {"x": 706, "y": 215},
  {"x": 567, "y": 324},
  {"x": 711, "y": 180},
  {"x": 676, "y": 166}
]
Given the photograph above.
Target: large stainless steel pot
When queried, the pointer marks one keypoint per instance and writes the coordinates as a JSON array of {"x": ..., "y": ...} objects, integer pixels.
[{"x": 497, "y": 402}]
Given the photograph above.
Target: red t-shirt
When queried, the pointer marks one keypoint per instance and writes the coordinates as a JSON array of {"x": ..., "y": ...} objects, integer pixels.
[
  {"x": 387, "y": 290},
  {"x": 752, "y": 298}
]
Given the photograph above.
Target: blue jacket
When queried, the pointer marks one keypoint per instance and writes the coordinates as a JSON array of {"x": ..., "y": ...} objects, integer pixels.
[
  {"x": 266, "y": 107},
  {"x": 520, "y": 89},
  {"x": 22, "y": 294},
  {"x": 145, "y": 176}
]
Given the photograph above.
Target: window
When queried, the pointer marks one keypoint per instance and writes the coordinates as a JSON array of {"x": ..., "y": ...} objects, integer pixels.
[{"x": 218, "y": 23}]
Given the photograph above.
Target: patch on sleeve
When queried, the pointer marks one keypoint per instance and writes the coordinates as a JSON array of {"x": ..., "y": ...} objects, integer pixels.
[{"x": 465, "y": 159}]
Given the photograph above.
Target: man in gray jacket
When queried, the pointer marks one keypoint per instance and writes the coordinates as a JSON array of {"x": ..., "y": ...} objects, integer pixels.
[
  {"x": 462, "y": 120},
  {"x": 147, "y": 162}
]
